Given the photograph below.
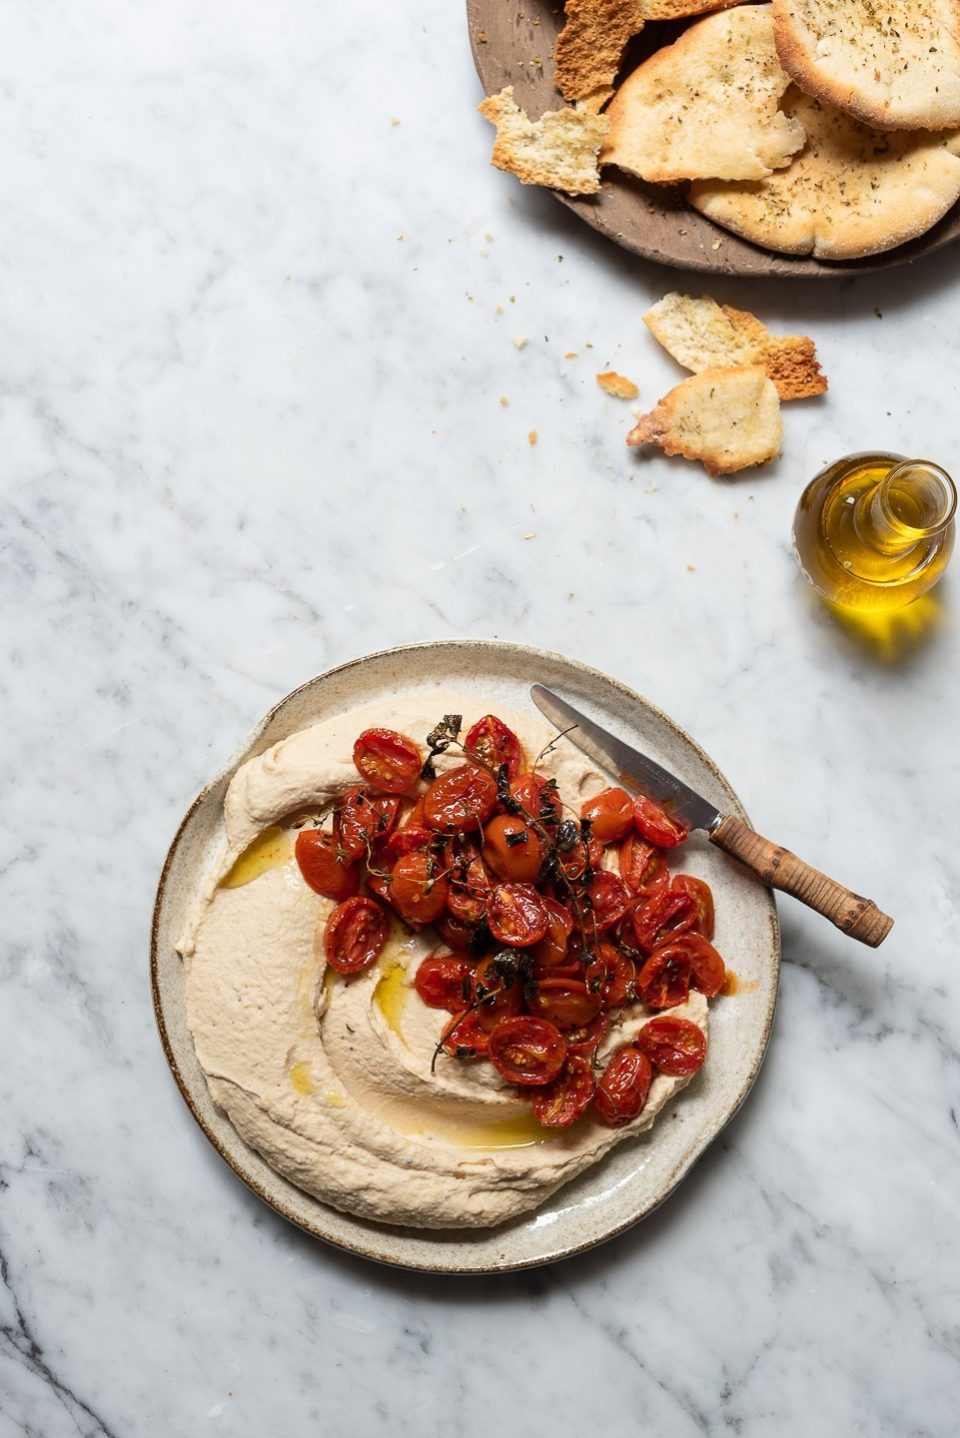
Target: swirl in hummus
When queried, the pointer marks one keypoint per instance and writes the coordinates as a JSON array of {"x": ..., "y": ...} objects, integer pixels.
[{"x": 329, "y": 1077}]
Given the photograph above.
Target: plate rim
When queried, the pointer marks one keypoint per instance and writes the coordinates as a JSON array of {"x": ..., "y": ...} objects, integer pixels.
[{"x": 357, "y": 1249}]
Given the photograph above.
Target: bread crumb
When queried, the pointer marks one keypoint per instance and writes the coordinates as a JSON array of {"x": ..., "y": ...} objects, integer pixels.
[
  {"x": 504, "y": 401},
  {"x": 617, "y": 385},
  {"x": 691, "y": 569},
  {"x": 533, "y": 436},
  {"x": 394, "y": 122},
  {"x": 519, "y": 341},
  {"x": 531, "y": 535},
  {"x": 571, "y": 354}
]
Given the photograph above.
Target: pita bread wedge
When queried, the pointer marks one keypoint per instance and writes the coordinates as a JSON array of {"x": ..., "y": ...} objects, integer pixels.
[
  {"x": 590, "y": 47},
  {"x": 893, "y": 66},
  {"x": 559, "y": 150},
  {"x": 700, "y": 334},
  {"x": 853, "y": 191},
  {"x": 706, "y": 106},
  {"x": 727, "y": 418}
]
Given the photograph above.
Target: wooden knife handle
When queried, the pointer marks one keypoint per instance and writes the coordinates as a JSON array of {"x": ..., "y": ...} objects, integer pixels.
[{"x": 860, "y": 918}]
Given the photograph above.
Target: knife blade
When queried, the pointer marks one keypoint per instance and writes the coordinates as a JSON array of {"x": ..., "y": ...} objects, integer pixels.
[
  {"x": 633, "y": 769},
  {"x": 776, "y": 866}
]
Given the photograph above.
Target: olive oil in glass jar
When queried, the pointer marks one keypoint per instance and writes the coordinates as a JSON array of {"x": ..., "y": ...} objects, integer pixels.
[{"x": 875, "y": 531}]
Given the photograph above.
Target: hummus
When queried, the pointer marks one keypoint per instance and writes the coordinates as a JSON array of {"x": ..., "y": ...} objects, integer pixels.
[{"x": 329, "y": 1077}]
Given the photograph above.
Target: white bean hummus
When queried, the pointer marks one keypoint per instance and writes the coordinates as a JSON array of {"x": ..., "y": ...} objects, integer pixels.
[{"x": 329, "y": 1077}]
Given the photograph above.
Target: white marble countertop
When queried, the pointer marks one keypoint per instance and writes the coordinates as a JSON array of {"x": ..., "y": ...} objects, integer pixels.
[{"x": 263, "y": 411}]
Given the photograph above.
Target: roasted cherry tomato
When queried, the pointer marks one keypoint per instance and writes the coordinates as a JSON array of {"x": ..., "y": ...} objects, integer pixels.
[
  {"x": 387, "y": 760},
  {"x": 462, "y": 799},
  {"x": 466, "y": 1038},
  {"x": 324, "y": 866},
  {"x": 526, "y": 1050},
  {"x": 703, "y": 898},
  {"x": 675, "y": 1046},
  {"x": 609, "y": 899},
  {"x": 414, "y": 814},
  {"x": 551, "y": 951},
  {"x": 512, "y": 849},
  {"x": 493, "y": 744},
  {"x": 568, "y": 1003},
  {"x": 355, "y": 934},
  {"x": 586, "y": 1041},
  {"x": 642, "y": 866},
  {"x": 469, "y": 893},
  {"x": 567, "y": 1098},
  {"x": 379, "y": 884},
  {"x": 418, "y": 890},
  {"x": 623, "y": 1086},
  {"x": 496, "y": 991},
  {"x": 538, "y": 797},
  {"x": 616, "y": 975},
  {"x": 707, "y": 969},
  {"x": 404, "y": 841},
  {"x": 656, "y": 825},
  {"x": 454, "y": 932},
  {"x": 443, "y": 982},
  {"x": 664, "y": 980},
  {"x": 360, "y": 819},
  {"x": 516, "y": 915},
  {"x": 663, "y": 916},
  {"x": 581, "y": 856},
  {"x": 610, "y": 814}
]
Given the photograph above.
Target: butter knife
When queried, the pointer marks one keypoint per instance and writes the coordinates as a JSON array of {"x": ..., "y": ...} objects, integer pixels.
[{"x": 777, "y": 867}]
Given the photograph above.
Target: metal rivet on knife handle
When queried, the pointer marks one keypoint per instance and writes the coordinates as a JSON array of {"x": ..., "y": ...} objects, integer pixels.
[{"x": 860, "y": 918}]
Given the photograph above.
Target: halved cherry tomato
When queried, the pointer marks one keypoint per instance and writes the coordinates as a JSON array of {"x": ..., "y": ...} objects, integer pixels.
[
  {"x": 355, "y": 934},
  {"x": 454, "y": 932},
  {"x": 615, "y": 974},
  {"x": 498, "y": 995},
  {"x": 575, "y": 861},
  {"x": 675, "y": 1046},
  {"x": 461, "y": 799},
  {"x": 562, "y": 1102},
  {"x": 324, "y": 866},
  {"x": 493, "y": 744},
  {"x": 609, "y": 899},
  {"x": 405, "y": 841},
  {"x": 511, "y": 848},
  {"x": 538, "y": 797},
  {"x": 664, "y": 980},
  {"x": 387, "y": 760},
  {"x": 379, "y": 884},
  {"x": 586, "y": 1041},
  {"x": 707, "y": 969},
  {"x": 568, "y": 1003},
  {"x": 551, "y": 951},
  {"x": 465, "y": 1037},
  {"x": 418, "y": 890},
  {"x": 623, "y": 1086},
  {"x": 656, "y": 825},
  {"x": 469, "y": 893},
  {"x": 526, "y": 1050},
  {"x": 642, "y": 866},
  {"x": 361, "y": 818},
  {"x": 516, "y": 915},
  {"x": 414, "y": 814},
  {"x": 666, "y": 914},
  {"x": 702, "y": 896},
  {"x": 443, "y": 982},
  {"x": 610, "y": 814}
]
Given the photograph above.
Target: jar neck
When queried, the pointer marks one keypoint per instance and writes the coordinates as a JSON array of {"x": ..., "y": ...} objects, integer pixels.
[{"x": 914, "y": 502}]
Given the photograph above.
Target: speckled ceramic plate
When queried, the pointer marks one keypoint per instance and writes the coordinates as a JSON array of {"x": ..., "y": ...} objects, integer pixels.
[{"x": 640, "y": 1173}]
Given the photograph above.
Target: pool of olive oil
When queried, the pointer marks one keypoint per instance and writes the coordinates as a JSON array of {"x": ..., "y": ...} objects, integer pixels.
[{"x": 872, "y": 532}]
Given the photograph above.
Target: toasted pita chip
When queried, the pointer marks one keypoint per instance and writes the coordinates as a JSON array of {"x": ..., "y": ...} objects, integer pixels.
[
  {"x": 590, "y": 47},
  {"x": 727, "y": 418},
  {"x": 895, "y": 67},
  {"x": 852, "y": 192},
  {"x": 559, "y": 150},
  {"x": 706, "y": 106},
  {"x": 700, "y": 334},
  {"x": 617, "y": 385}
]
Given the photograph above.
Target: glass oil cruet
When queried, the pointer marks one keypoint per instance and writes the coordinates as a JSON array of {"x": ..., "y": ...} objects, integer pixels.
[{"x": 875, "y": 531}]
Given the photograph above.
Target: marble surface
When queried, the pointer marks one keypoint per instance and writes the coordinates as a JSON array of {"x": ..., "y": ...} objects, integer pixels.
[{"x": 262, "y": 411}]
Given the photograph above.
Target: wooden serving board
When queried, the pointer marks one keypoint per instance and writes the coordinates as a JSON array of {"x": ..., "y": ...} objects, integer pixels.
[{"x": 512, "y": 43}]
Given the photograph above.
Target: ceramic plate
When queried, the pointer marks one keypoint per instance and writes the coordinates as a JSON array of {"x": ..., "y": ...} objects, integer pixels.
[
  {"x": 512, "y": 42},
  {"x": 640, "y": 1173}
]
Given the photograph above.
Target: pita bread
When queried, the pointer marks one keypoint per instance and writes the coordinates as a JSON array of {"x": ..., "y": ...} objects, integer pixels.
[
  {"x": 590, "y": 47},
  {"x": 558, "y": 150},
  {"x": 895, "y": 67},
  {"x": 700, "y": 334},
  {"x": 706, "y": 106},
  {"x": 852, "y": 192},
  {"x": 727, "y": 418}
]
